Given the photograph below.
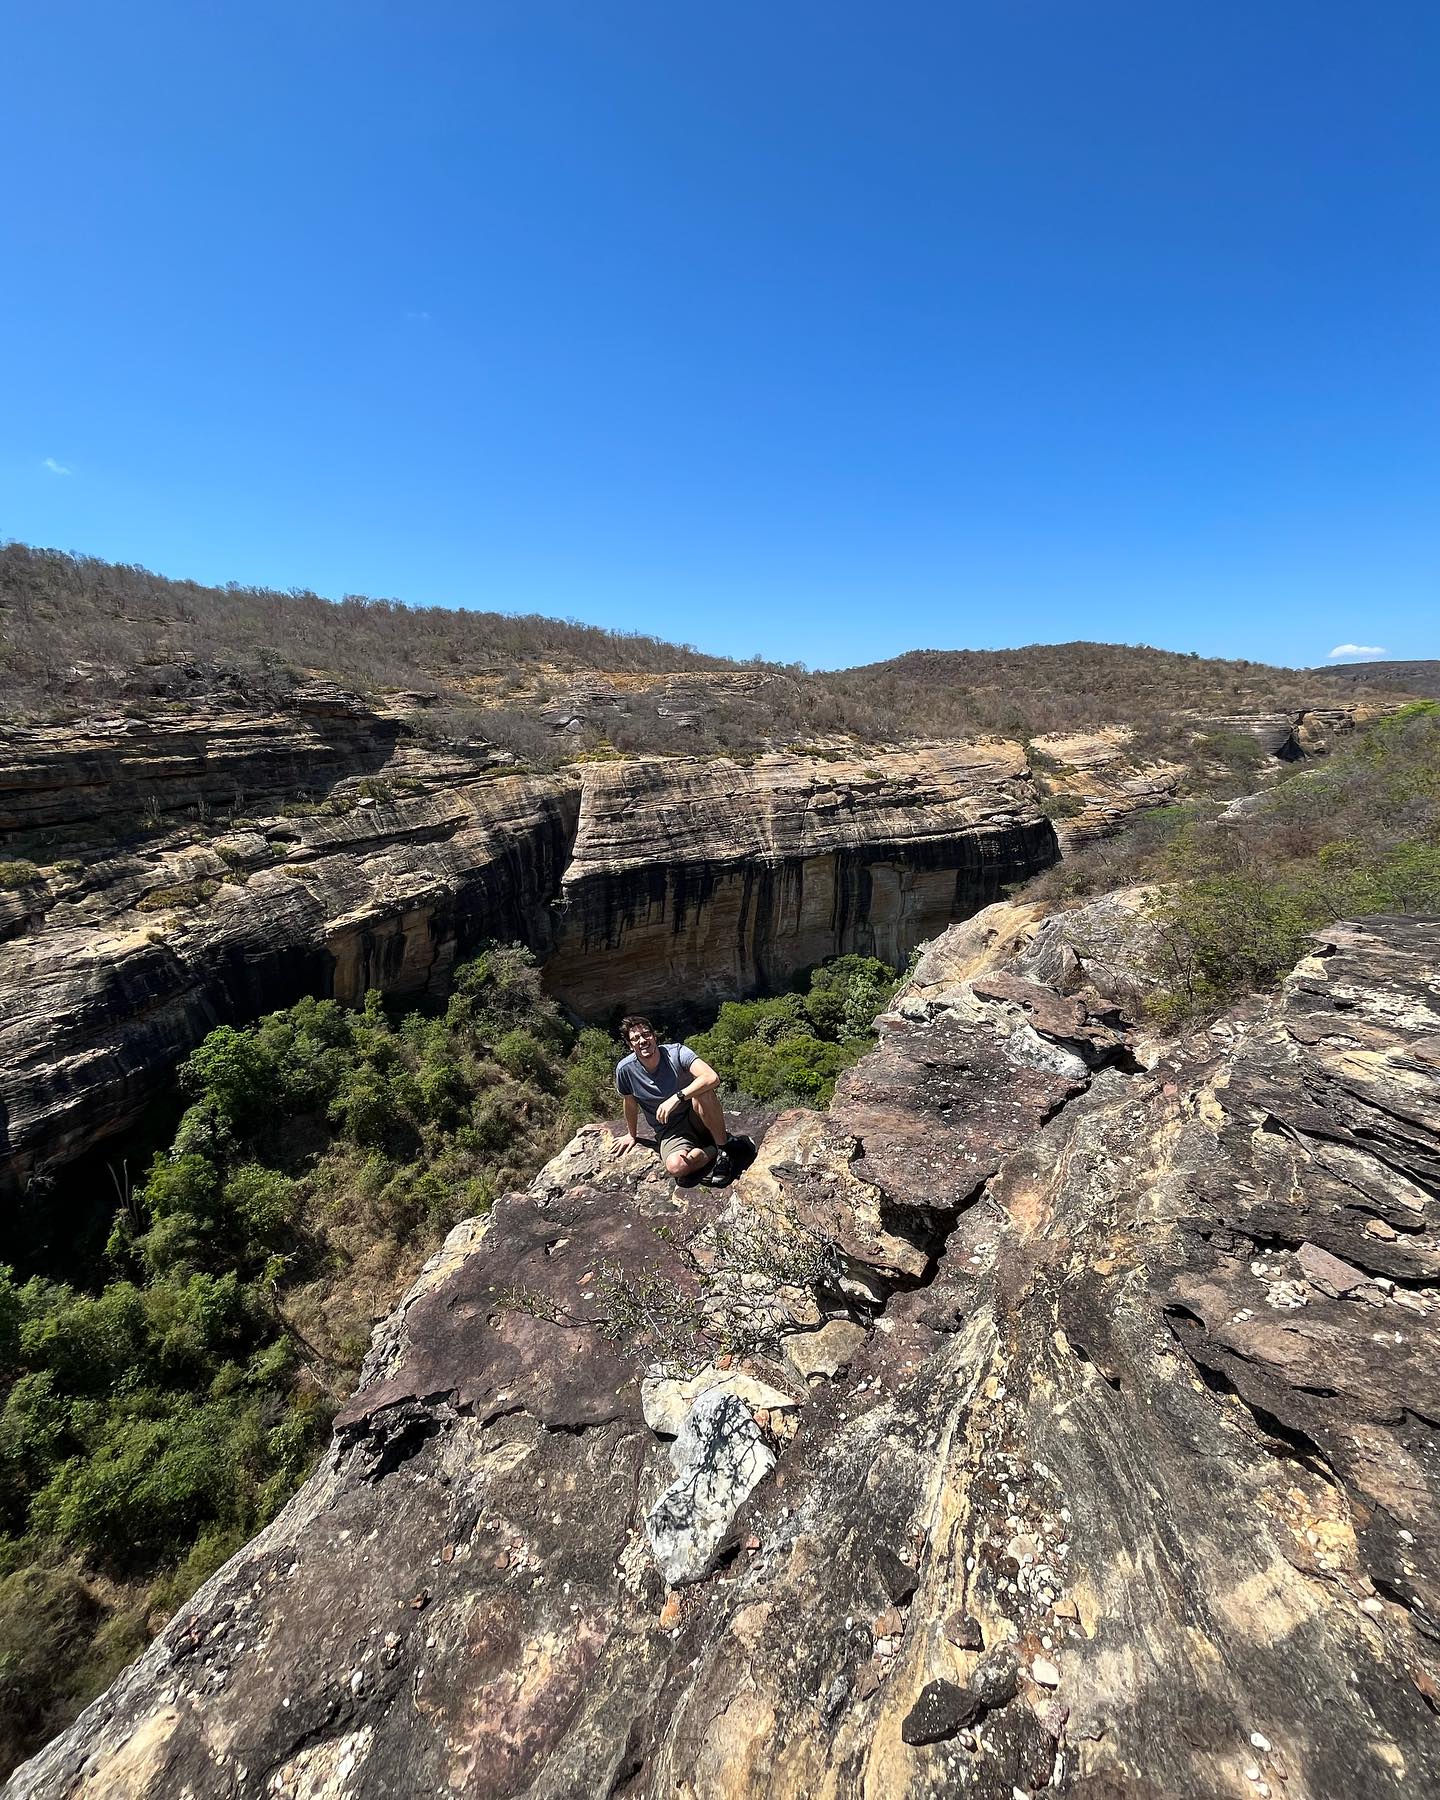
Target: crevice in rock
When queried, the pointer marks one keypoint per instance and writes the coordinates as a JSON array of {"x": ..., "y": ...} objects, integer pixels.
[
  {"x": 626, "y": 1777},
  {"x": 337, "y": 1722},
  {"x": 390, "y": 1438},
  {"x": 1391, "y": 1590},
  {"x": 1279, "y": 1436},
  {"x": 432, "y": 831},
  {"x": 1082, "y": 1355}
]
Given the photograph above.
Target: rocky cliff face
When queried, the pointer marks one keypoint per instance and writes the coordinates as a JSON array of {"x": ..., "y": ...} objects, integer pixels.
[
  {"x": 111, "y": 975},
  {"x": 696, "y": 879},
  {"x": 644, "y": 882},
  {"x": 79, "y": 779},
  {"x": 1036, "y": 1421}
]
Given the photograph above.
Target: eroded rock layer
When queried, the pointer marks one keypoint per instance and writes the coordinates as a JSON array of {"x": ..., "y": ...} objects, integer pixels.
[
  {"x": 709, "y": 878},
  {"x": 1054, "y": 1425},
  {"x": 115, "y": 975},
  {"x": 656, "y": 881}
]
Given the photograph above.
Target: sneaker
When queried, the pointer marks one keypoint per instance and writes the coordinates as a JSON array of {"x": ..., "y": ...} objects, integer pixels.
[{"x": 720, "y": 1172}]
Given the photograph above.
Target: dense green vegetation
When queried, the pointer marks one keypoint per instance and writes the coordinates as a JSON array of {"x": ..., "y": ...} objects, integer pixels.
[
  {"x": 791, "y": 1050},
  {"x": 152, "y": 1424},
  {"x": 1240, "y": 893},
  {"x": 156, "y": 1418}
]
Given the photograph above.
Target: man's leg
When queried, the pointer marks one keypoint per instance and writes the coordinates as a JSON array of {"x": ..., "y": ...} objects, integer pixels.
[
  {"x": 712, "y": 1115},
  {"x": 689, "y": 1162},
  {"x": 684, "y": 1156}
]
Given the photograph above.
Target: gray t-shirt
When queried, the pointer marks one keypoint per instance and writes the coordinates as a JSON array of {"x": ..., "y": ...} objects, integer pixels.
[{"x": 648, "y": 1087}]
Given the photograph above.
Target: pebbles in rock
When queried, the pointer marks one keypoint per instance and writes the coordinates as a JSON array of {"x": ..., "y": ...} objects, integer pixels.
[{"x": 1042, "y": 1670}]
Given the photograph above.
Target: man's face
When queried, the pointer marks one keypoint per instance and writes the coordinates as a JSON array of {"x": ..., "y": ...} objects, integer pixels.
[{"x": 642, "y": 1041}]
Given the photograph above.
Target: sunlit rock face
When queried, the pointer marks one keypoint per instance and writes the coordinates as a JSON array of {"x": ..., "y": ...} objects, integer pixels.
[
  {"x": 693, "y": 880},
  {"x": 326, "y": 851},
  {"x": 1123, "y": 1481},
  {"x": 653, "y": 882},
  {"x": 114, "y": 972}
]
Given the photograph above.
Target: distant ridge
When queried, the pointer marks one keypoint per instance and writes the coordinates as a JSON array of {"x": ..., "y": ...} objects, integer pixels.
[
  {"x": 1057, "y": 687},
  {"x": 1410, "y": 677},
  {"x": 58, "y": 610},
  {"x": 79, "y": 634}
]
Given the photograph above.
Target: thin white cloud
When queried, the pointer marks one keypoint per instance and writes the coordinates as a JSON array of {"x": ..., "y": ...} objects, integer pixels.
[
  {"x": 54, "y": 467},
  {"x": 419, "y": 318},
  {"x": 1357, "y": 650}
]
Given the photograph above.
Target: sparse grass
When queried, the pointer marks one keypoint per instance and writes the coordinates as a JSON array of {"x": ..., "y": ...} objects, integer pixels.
[
  {"x": 155, "y": 644},
  {"x": 15, "y": 875},
  {"x": 150, "y": 639}
]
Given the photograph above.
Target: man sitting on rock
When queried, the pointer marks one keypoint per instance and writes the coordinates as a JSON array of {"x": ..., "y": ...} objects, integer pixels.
[{"x": 679, "y": 1096}]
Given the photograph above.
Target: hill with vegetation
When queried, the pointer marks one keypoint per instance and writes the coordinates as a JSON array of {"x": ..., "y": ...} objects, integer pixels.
[
  {"x": 77, "y": 634},
  {"x": 1043, "y": 688},
  {"x": 1403, "y": 677},
  {"x": 77, "y": 625}
]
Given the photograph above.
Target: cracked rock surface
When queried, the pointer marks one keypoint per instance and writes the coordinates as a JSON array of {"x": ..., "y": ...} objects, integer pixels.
[{"x": 1127, "y": 1488}]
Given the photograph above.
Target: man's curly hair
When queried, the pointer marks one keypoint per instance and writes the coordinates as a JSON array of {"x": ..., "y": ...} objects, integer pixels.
[{"x": 630, "y": 1021}]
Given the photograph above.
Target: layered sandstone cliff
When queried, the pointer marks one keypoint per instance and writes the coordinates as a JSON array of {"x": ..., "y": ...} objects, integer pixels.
[
  {"x": 646, "y": 882},
  {"x": 714, "y": 878},
  {"x": 197, "y": 869},
  {"x": 1036, "y": 1421}
]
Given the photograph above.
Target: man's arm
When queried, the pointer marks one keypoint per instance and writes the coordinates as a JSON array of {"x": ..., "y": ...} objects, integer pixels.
[
  {"x": 632, "y": 1119},
  {"x": 700, "y": 1078}
]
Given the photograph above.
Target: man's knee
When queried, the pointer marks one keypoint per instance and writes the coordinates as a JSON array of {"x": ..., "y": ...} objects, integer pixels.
[{"x": 678, "y": 1162}]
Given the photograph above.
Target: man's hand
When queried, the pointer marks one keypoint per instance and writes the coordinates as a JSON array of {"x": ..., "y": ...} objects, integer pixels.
[
  {"x": 667, "y": 1109},
  {"x": 627, "y": 1140}
]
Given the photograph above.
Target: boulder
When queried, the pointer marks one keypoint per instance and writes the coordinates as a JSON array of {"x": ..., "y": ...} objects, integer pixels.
[
  {"x": 666, "y": 1398},
  {"x": 822, "y": 1354},
  {"x": 719, "y": 1457}
]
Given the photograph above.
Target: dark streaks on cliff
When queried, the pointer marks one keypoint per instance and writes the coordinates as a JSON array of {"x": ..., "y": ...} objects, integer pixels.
[{"x": 671, "y": 883}]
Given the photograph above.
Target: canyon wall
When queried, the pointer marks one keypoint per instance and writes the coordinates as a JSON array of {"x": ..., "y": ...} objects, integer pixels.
[
  {"x": 176, "y": 872},
  {"x": 695, "y": 880},
  {"x": 672, "y": 881},
  {"x": 112, "y": 973},
  {"x": 1058, "y": 1414},
  {"x": 78, "y": 780}
]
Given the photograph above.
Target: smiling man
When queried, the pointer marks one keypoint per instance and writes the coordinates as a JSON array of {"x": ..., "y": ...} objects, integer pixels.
[{"x": 679, "y": 1095}]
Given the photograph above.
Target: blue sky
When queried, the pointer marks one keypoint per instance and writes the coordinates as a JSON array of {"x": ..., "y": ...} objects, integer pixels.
[{"x": 818, "y": 329}]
